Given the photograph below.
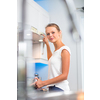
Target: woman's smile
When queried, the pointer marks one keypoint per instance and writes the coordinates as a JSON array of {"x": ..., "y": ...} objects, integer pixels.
[{"x": 51, "y": 38}]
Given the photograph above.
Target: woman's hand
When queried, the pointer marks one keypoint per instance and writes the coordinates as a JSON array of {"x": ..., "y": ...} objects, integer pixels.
[
  {"x": 38, "y": 83},
  {"x": 45, "y": 39}
]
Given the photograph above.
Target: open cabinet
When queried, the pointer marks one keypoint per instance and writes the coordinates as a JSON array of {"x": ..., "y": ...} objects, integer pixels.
[{"x": 31, "y": 22}]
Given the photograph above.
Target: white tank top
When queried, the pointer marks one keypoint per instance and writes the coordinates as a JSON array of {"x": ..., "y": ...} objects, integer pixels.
[{"x": 55, "y": 68}]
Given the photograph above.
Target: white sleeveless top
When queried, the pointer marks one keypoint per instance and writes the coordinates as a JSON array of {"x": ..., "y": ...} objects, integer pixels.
[{"x": 55, "y": 68}]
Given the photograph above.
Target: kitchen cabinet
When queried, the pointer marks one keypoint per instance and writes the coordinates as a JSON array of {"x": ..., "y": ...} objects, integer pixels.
[
  {"x": 38, "y": 53},
  {"x": 31, "y": 21},
  {"x": 39, "y": 49},
  {"x": 31, "y": 14},
  {"x": 35, "y": 20},
  {"x": 43, "y": 21},
  {"x": 33, "y": 48},
  {"x": 34, "y": 15}
]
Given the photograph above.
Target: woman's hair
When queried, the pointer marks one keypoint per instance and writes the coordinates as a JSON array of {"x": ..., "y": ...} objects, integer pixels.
[{"x": 54, "y": 25}]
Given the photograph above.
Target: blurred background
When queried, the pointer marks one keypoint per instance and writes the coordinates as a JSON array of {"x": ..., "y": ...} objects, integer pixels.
[{"x": 32, "y": 17}]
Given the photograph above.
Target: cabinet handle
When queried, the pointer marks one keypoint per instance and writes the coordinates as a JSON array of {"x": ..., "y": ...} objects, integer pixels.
[{"x": 43, "y": 48}]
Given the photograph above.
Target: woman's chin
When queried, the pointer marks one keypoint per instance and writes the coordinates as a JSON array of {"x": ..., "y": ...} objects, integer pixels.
[{"x": 52, "y": 41}]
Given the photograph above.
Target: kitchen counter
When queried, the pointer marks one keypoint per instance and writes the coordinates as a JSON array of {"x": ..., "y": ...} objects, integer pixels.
[
  {"x": 46, "y": 95},
  {"x": 56, "y": 96}
]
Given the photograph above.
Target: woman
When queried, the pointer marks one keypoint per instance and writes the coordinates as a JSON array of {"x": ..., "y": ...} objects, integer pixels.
[{"x": 59, "y": 61}]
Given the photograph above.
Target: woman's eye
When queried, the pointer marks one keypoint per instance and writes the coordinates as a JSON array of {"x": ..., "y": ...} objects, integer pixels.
[
  {"x": 53, "y": 32},
  {"x": 47, "y": 33}
]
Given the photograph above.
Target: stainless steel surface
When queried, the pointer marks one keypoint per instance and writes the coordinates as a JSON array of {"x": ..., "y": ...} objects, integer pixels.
[
  {"x": 40, "y": 95},
  {"x": 56, "y": 96}
]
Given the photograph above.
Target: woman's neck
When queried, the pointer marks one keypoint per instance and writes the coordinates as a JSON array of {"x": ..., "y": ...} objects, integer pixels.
[{"x": 58, "y": 45}]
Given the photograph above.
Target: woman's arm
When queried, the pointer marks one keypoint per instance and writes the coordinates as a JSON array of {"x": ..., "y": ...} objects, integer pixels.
[
  {"x": 65, "y": 69},
  {"x": 49, "y": 53}
]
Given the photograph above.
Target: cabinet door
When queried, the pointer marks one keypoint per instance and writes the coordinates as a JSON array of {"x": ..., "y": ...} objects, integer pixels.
[
  {"x": 43, "y": 51},
  {"x": 31, "y": 15},
  {"x": 36, "y": 50},
  {"x": 43, "y": 21}
]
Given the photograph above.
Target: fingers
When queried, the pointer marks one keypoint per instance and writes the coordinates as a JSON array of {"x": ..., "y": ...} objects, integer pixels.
[
  {"x": 36, "y": 78},
  {"x": 45, "y": 39},
  {"x": 32, "y": 84},
  {"x": 43, "y": 35}
]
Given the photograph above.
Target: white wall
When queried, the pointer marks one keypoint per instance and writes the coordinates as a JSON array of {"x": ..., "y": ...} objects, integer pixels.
[{"x": 59, "y": 15}]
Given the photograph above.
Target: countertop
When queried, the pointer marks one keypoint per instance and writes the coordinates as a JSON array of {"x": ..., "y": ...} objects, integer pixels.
[
  {"x": 32, "y": 94},
  {"x": 57, "y": 96},
  {"x": 46, "y": 95}
]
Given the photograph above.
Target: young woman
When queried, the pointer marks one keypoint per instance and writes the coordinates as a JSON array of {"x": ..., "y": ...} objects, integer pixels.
[{"x": 59, "y": 61}]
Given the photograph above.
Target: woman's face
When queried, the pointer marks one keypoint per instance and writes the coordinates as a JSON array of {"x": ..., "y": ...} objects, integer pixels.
[{"x": 52, "y": 34}]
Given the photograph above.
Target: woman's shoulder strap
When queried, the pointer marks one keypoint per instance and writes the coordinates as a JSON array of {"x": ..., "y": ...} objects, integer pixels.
[{"x": 65, "y": 47}]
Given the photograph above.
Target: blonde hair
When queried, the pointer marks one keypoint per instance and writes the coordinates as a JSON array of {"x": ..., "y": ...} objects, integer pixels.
[{"x": 54, "y": 25}]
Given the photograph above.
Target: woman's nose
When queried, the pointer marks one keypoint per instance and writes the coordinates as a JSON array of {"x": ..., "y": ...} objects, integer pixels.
[{"x": 50, "y": 34}]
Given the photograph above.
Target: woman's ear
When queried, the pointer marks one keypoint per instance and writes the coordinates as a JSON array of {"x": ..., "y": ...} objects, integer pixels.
[{"x": 60, "y": 33}]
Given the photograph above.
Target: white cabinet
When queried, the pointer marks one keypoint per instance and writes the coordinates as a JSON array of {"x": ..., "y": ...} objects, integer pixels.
[
  {"x": 43, "y": 21},
  {"x": 31, "y": 15},
  {"x": 34, "y": 16},
  {"x": 40, "y": 53}
]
